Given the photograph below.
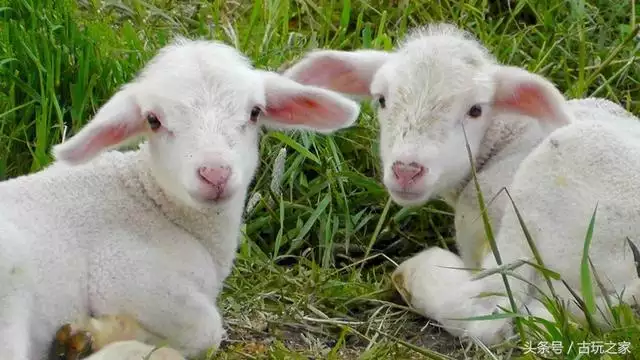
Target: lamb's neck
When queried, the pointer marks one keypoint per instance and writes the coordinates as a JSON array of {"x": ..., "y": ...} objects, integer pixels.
[
  {"x": 216, "y": 228},
  {"x": 501, "y": 133}
]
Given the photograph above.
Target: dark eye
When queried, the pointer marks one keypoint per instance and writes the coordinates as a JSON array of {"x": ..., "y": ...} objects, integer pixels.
[
  {"x": 475, "y": 111},
  {"x": 382, "y": 101},
  {"x": 153, "y": 121},
  {"x": 255, "y": 113}
]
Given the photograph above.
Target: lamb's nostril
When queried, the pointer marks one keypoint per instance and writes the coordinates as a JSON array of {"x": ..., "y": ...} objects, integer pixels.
[
  {"x": 418, "y": 170},
  {"x": 216, "y": 176},
  {"x": 397, "y": 169},
  {"x": 405, "y": 173}
]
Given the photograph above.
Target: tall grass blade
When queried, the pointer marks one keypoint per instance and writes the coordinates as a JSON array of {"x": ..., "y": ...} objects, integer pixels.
[{"x": 585, "y": 273}]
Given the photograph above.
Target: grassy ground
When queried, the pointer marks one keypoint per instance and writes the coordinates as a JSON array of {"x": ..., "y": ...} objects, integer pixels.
[{"x": 312, "y": 276}]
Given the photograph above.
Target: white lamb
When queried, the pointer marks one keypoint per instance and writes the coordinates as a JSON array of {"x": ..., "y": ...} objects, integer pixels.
[
  {"x": 558, "y": 158},
  {"x": 150, "y": 233}
]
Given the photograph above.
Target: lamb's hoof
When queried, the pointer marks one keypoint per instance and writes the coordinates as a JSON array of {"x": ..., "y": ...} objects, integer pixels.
[
  {"x": 70, "y": 345},
  {"x": 429, "y": 280}
]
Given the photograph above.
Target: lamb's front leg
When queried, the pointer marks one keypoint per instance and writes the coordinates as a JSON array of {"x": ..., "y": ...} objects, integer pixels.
[
  {"x": 90, "y": 334},
  {"x": 109, "y": 337},
  {"x": 436, "y": 287},
  {"x": 181, "y": 317},
  {"x": 488, "y": 296},
  {"x": 191, "y": 323},
  {"x": 470, "y": 236},
  {"x": 470, "y": 233},
  {"x": 135, "y": 350},
  {"x": 430, "y": 279}
]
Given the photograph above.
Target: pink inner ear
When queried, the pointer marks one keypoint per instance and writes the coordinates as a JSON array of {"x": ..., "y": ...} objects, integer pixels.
[
  {"x": 528, "y": 99},
  {"x": 304, "y": 111},
  {"x": 333, "y": 74},
  {"x": 104, "y": 137}
]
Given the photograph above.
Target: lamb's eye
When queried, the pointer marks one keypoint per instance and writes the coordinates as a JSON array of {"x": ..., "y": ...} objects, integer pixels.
[
  {"x": 153, "y": 121},
  {"x": 475, "y": 111},
  {"x": 382, "y": 102},
  {"x": 255, "y": 113}
]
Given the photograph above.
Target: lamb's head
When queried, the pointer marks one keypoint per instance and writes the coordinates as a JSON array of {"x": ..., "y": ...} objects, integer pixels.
[
  {"x": 437, "y": 86},
  {"x": 200, "y": 104}
]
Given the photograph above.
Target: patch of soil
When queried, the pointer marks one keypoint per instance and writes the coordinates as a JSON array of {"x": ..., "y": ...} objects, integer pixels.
[
  {"x": 427, "y": 334},
  {"x": 310, "y": 342},
  {"x": 305, "y": 344}
]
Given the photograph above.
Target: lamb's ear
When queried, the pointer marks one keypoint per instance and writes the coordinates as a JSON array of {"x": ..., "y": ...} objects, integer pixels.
[
  {"x": 117, "y": 121},
  {"x": 347, "y": 72},
  {"x": 289, "y": 104},
  {"x": 520, "y": 91}
]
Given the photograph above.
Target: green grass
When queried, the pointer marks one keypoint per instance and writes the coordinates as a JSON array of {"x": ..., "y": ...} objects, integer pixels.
[{"x": 312, "y": 275}]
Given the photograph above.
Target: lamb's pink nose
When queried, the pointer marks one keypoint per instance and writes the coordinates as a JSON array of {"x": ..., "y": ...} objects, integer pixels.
[
  {"x": 216, "y": 176},
  {"x": 406, "y": 174}
]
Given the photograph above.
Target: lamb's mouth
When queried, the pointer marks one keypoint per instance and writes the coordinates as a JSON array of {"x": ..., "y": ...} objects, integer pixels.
[
  {"x": 410, "y": 198},
  {"x": 407, "y": 195},
  {"x": 211, "y": 199}
]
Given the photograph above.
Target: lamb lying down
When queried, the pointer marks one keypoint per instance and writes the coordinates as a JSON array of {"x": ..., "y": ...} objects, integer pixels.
[
  {"x": 558, "y": 158},
  {"x": 151, "y": 233}
]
